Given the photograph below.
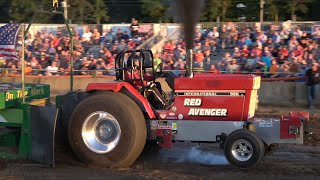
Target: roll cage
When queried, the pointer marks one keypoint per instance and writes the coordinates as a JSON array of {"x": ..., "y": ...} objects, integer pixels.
[{"x": 124, "y": 65}]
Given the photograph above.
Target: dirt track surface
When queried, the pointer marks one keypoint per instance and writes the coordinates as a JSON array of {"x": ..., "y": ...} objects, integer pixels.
[{"x": 189, "y": 161}]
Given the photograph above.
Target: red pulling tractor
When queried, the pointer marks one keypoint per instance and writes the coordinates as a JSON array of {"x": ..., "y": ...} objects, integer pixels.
[{"x": 110, "y": 124}]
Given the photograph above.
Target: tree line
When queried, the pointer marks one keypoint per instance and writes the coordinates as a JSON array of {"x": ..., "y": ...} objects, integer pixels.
[{"x": 117, "y": 11}]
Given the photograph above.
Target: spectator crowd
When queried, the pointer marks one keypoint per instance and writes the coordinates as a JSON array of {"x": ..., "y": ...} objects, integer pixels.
[
  {"x": 271, "y": 53},
  {"x": 275, "y": 52},
  {"x": 49, "y": 54}
]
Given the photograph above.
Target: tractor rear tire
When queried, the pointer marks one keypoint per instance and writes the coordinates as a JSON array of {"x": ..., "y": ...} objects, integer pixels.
[
  {"x": 127, "y": 130},
  {"x": 243, "y": 149}
]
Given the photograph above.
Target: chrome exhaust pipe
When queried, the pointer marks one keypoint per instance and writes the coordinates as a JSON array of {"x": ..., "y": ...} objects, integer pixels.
[{"x": 189, "y": 63}]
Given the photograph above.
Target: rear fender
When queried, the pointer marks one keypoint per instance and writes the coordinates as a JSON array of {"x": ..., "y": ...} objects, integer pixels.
[
  {"x": 290, "y": 127},
  {"x": 126, "y": 89},
  {"x": 286, "y": 129},
  {"x": 303, "y": 114},
  {"x": 305, "y": 117}
]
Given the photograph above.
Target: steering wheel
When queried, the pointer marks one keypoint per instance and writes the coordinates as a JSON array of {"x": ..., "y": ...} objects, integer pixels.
[
  {"x": 158, "y": 73},
  {"x": 158, "y": 70}
]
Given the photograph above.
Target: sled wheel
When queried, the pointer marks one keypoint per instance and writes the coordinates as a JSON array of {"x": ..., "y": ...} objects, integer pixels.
[
  {"x": 243, "y": 149},
  {"x": 269, "y": 150},
  {"x": 107, "y": 129}
]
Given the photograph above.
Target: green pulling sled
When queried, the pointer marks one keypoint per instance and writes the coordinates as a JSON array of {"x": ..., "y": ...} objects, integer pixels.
[
  {"x": 27, "y": 129},
  {"x": 27, "y": 120}
]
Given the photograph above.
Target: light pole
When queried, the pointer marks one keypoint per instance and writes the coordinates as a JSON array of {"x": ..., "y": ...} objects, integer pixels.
[
  {"x": 241, "y": 8},
  {"x": 64, "y": 4},
  {"x": 261, "y": 10}
]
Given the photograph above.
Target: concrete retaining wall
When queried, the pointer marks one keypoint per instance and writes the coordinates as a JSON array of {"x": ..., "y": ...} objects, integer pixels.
[
  {"x": 58, "y": 85},
  {"x": 285, "y": 94},
  {"x": 270, "y": 93}
]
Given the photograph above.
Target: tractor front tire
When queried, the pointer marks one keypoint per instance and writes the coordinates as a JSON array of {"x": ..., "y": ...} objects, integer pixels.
[
  {"x": 243, "y": 149},
  {"x": 107, "y": 129}
]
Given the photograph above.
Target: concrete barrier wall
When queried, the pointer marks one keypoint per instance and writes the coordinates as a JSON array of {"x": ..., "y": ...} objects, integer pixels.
[
  {"x": 58, "y": 85},
  {"x": 270, "y": 93},
  {"x": 285, "y": 94}
]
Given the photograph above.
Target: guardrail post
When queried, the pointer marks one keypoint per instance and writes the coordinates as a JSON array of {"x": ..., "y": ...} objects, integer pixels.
[
  {"x": 94, "y": 73},
  {"x": 5, "y": 72}
]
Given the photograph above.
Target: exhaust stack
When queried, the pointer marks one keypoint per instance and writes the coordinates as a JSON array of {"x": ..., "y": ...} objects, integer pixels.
[
  {"x": 189, "y": 12},
  {"x": 189, "y": 63}
]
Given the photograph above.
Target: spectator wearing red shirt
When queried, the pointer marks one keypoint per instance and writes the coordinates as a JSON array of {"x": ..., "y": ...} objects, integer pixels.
[
  {"x": 168, "y": 47},
  {"x": 56, "y": 41},
  {"x": 298, "y": 52},
  {"x": 245, "y": 51},
  {"x": 284, "y": 51},
  {"x": 213, "y": 69},
  {"x": 256, "y": 51},
  {"x": 131, "y": 44}
]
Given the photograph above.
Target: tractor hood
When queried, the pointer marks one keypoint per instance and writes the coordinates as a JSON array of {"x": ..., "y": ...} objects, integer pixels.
[
  {"x": 209, "y": 81},
  {"x": 235, "y": 94}
]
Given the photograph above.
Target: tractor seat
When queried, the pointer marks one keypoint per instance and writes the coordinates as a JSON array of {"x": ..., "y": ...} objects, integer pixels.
[{"x": 170, "y": 76}]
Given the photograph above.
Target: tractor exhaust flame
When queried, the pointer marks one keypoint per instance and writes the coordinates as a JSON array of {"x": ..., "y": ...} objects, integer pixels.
[{"x": 196, "y": 155}]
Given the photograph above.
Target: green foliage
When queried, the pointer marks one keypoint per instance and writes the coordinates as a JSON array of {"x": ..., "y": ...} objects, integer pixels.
[
  {"x": 88, "y": 11},
  {"x": 225, "y": 5},
  {"x": 155, "y": 9},
  {"x": 252, "y": 12},
  {"x": 295, "y": 6},
  {"x": 124, "y": 10},
  {"x": 100, "y": 12},
  {"x": 4, "y": 4},
  {"x": 115, "y": 11},
  {"x": 211, "y": 10},
  {"x": 214, "y": 8},
  {"x": 80, "y": 11},
  {"x": 273, "y": 9},
  {"x": 22, "y": 10}
]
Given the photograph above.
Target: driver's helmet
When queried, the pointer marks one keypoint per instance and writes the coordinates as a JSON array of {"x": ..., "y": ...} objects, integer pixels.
[{"x": 133, "y": 61}]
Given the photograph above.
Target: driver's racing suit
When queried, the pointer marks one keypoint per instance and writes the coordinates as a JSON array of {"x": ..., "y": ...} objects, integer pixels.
[{"x": 147, "y": 82}]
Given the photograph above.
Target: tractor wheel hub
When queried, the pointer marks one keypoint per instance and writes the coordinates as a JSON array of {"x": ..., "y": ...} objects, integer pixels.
[
  {"x": 242, "y": 150},
  {"x": 101, "y": 132}
]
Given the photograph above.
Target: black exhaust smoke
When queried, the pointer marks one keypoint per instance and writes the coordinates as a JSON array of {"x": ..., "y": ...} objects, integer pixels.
[{"x": 189, "y": 12}]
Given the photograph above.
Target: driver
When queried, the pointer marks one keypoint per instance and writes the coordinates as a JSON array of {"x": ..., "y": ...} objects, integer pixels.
[
  {"x": 151, "y": 87},
  {"x": 137, "y": 83}
]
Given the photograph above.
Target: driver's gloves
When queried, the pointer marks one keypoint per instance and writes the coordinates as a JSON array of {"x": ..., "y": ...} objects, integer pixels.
[{"x": 150, "y": 84}]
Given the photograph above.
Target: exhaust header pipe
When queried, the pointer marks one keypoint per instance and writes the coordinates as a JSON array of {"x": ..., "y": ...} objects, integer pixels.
[{"x": 189, "y": 63}]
